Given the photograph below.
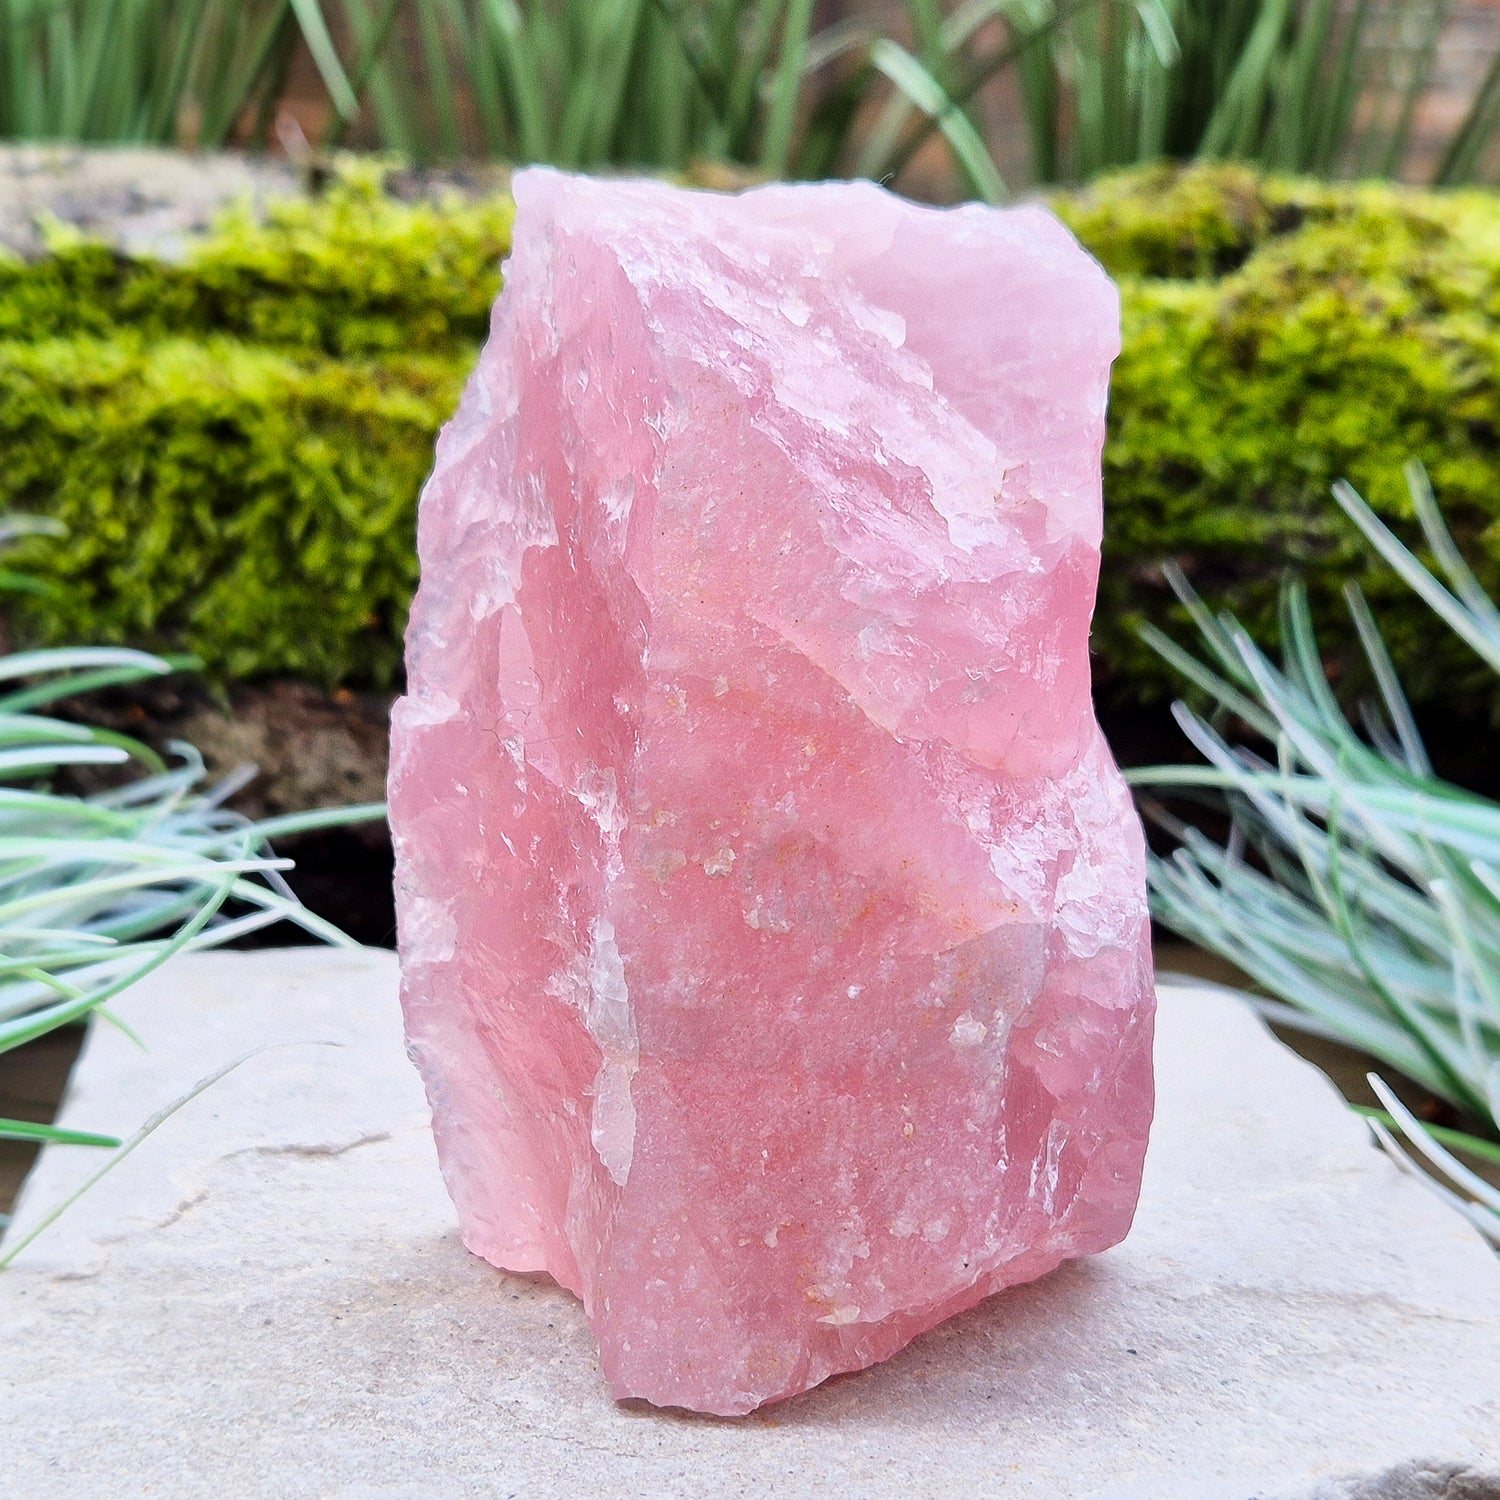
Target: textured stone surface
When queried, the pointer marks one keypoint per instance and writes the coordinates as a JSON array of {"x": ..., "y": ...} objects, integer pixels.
[
  {"x": 149, "y": 202},
  {"x": 773, "y": 916},
  {"x": 270, "y": 1299},
  {"x": 142, "y": 201}
]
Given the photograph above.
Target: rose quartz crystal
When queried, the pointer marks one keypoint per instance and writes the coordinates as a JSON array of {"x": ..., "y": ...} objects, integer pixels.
[{"x": 773, "y": 920}]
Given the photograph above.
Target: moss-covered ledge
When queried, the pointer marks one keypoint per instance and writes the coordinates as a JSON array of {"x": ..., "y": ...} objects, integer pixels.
[
  {"x": 236, "y": 434},
  {"x": 1279, "y": 335}
]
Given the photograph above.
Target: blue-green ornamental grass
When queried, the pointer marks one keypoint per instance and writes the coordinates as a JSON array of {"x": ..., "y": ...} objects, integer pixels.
[
  {"x": 1371, "y": 911},
  {"x": 97, "y": 891}
]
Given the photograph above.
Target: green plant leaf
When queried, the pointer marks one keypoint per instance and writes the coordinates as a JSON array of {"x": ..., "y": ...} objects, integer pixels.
[
  {"x": 1372, "y": 911},
  {"x": 24, "y": 1130},
  {"x": 929, "y": 96}
]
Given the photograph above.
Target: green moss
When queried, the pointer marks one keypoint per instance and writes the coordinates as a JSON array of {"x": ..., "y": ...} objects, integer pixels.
[
  {"x": 1162, "y": 222},
  {"x": 351, "y": 273},
  {"x": 1351, "y": 328},
  {"x": 236, "y": 441},
  {"x": 255, "y": 509}
]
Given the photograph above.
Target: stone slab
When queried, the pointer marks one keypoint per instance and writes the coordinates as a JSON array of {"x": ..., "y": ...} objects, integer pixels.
[
  {"x": 141, "y": 201},
  {"x": 146, "y": 201},
  {"x": 268, "y": 1298}
]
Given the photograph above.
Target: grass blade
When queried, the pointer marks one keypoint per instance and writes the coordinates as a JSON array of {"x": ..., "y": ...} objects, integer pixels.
[{"x": 929, "y": 96}]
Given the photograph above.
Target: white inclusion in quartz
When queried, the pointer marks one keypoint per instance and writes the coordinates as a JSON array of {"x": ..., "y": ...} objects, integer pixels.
[
  {"x": 612, "y": 1026},
  {"x": 968, "y": 1031},
  {"x": 431, "y": 931}
]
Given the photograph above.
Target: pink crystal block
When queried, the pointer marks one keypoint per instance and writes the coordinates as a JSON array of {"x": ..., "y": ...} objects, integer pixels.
[{"x": 773, "y": 919}]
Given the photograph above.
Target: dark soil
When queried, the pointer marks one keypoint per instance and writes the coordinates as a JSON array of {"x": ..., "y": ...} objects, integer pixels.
[
  {"x": 32, "y": 1079},
  {"x": 310, "y": 749},
  {"x": 344, "y": 876}
]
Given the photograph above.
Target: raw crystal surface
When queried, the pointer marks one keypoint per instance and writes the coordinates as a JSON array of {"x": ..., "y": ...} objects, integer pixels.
[{"x": 772, "y": 915}]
